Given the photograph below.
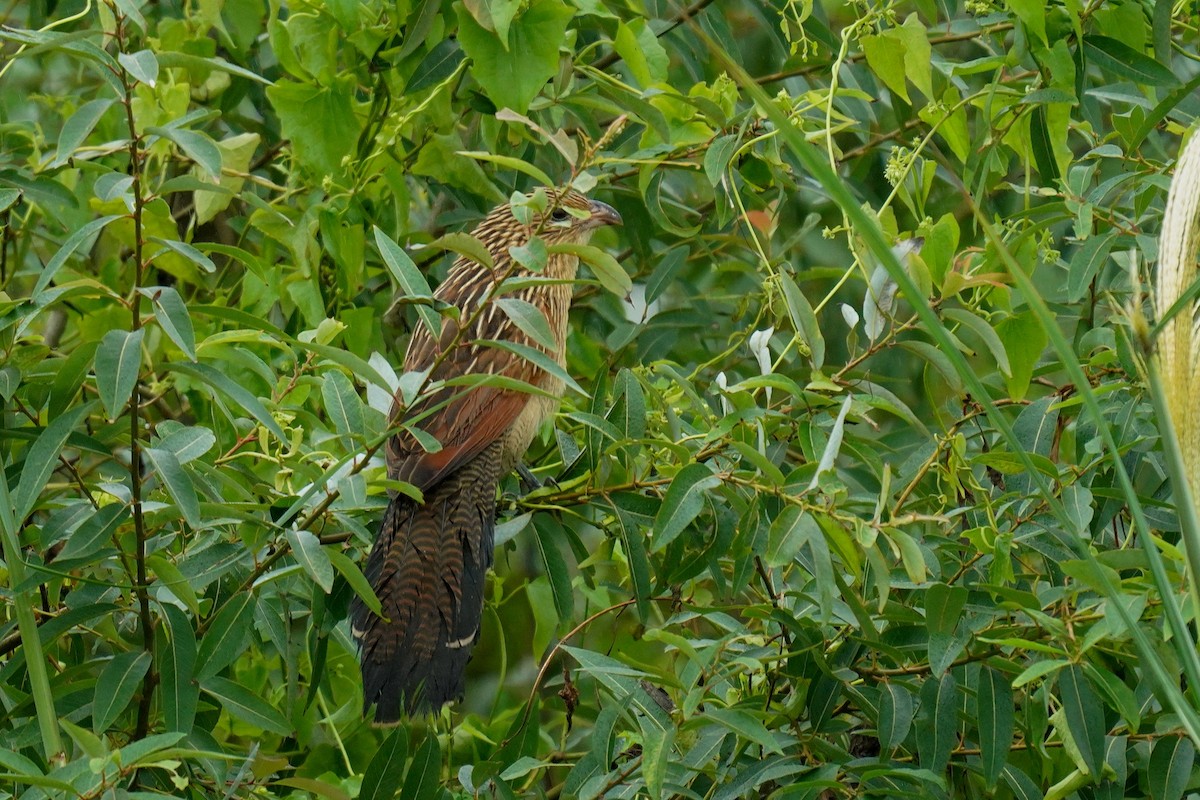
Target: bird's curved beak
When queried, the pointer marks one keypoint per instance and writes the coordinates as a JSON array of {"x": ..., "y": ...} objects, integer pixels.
[{"x": 602, "y": 214}]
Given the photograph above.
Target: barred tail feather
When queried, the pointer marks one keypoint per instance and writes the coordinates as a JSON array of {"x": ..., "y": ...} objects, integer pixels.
[{"x": 428, "y": 568}]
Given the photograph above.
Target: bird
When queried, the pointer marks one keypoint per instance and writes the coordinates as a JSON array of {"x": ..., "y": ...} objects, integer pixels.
[{"x": 430, "y": 558}]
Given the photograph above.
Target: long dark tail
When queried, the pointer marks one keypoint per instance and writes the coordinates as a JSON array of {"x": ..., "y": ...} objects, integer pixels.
[{"x": 428, "y": 568}]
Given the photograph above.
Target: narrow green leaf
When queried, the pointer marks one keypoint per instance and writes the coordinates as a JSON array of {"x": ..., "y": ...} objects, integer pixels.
[
  {"x": 118, "y": 682},
  {"x": 168, "y": 575},
  {"x": 985, "y": 332},
  {"x": 76, "y": 129},
  {"x": 610, "y": 274},
  {"x": 529, "y": 319},
  {"x": 746, "y": 725},
  {"x": 343, "y": 405},
  {"x": 195, "y": 145},
  {"x": 176, "y": 648},
  {"x": 383, "y": 774},
  {"x": 42, "y": 459},
  {"x": 1085, "y": 715},
  {"x": 656, "y": 755},
  {"x": 634, "y": 545},
  {"x": 538, "y": 358},
  {"x": 187, "y": 443},
  {"x": 354, "y": 576},
  {"x": 439, "y": 63},
  {"x": 248, "y": 402},
  {"x": 95, "y": 531},
  {"x": 8, "y": 197},
  {"x": 423, "y": 779},
  {"x": 187, "y": 251},
  {"x": 555, "y": 566},
  {"x": 411, "y": 281},
  {"x": 509, "y": 162},
  {"x": 895, "y": 715},
  {"x": 307, "y": 549},
  {"x": 1086, "y": 263},
  {"x": 1043, "y": 146},
  {"x": 227, "y": 634},
  {"x": 142, "y": 65},
  {"x": 467, "y": 246},
  {"x": 245, "y": 705},
  {"x": 118, "y": 363},
  {"x": 804, "y": 320},
  {"x": 994, "y": 701},
  {"x": 937, "y": 727},
  {"x": 177, "y": 482},
  {"x": 1121, "y": 59},
  {"x": 1171, "y": 767},
  {"x": 683, "y": 502},
  {"x": 72, "y": 244},
  {"x": 171, "y": 314},
  {"x": 943, "y": 610}
]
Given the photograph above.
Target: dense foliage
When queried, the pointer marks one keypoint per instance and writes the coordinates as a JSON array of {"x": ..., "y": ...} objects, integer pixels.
[{"x": 815, "y": 521}]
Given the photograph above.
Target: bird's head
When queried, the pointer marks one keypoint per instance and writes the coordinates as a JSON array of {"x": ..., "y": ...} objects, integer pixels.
[{"x": 567, "y": 217}]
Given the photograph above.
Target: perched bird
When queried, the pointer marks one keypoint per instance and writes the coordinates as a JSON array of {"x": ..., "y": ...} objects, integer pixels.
[{"x": 430, "y": 559}]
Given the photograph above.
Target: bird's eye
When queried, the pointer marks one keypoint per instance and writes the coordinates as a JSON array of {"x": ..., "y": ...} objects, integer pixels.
[{"x": 560, "y": 215}]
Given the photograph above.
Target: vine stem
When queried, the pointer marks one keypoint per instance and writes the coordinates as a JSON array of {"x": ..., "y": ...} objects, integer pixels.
[{"x": 141, "y": 584}]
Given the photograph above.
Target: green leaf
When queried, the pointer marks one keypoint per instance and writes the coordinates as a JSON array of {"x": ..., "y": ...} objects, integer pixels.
[
  {"x": 383, "y": 774},
  {"x": 307, "y": 549},
  {"x": 187, "y": 251},
  {"x": 790, "y": 530},
  {"x": 683, "y": 502},
  {"x": 1043, "y": 146},
  {"x": 547, "y": 534},
  {"x": 226, "y": 637},
  {"x": 467, "y": 246},
  {"x": 1086, "y": 263},
  {"x": 142, "y": 65},
  {"x": 118, "y": 363},
  {"x": 176, "y": 648},
  {"x": 187, "y": 443},
  {"x": 634, "y": 544},
  {"x": 656, "y": 756},
  {"x": 538, "y": 358},
  {"x": 42, "y": 459},
  {"x": 320, "y": 121},
  {"x": 95, "y": 531},
  {"x": 8, "y": 197},
  {"x": 177, "y": 482},
  {"x": 72, "y": 243},
  {"x": 1085, "y": 715},
  {"x": 1121, "y": 59},
  {"x": 885, "y": 57},
  {"x": 76, "y": 129},
  {"x": 937, "y": 728},
  {"x": 514, "y": 72},
  {"x": 943, "y": 609},
  {"x": 115, "y": 687},
  {"x": 245, "y": 705},
  {"x": 354, "y": 576},
  {"x": 509, "y": 162},
  {"x": 196, "y": 145},
  {"x": 343, "y": 405},
  {"x": 1024, "y": 340},
  {"x": 423, "y": 779},
  {"x": 746, "y": 725},
  {"x": 804, "y": 320},
  {"x": 895, "y": 715},
  {"x": 439, "y": 64},
  {"x": 994, "y": 701},
  {"x": 610, "y": 274},
  {"x": 171, "y": 314},
  {"x": 1171, "y": 767},
  {"x": 411, "y": 281},
  {"x": 529, "y": 319},
  {"x": 248, "y": 402},
  {"x": 1032, "y": 14},
  {"x": 985, "y": 332}
]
